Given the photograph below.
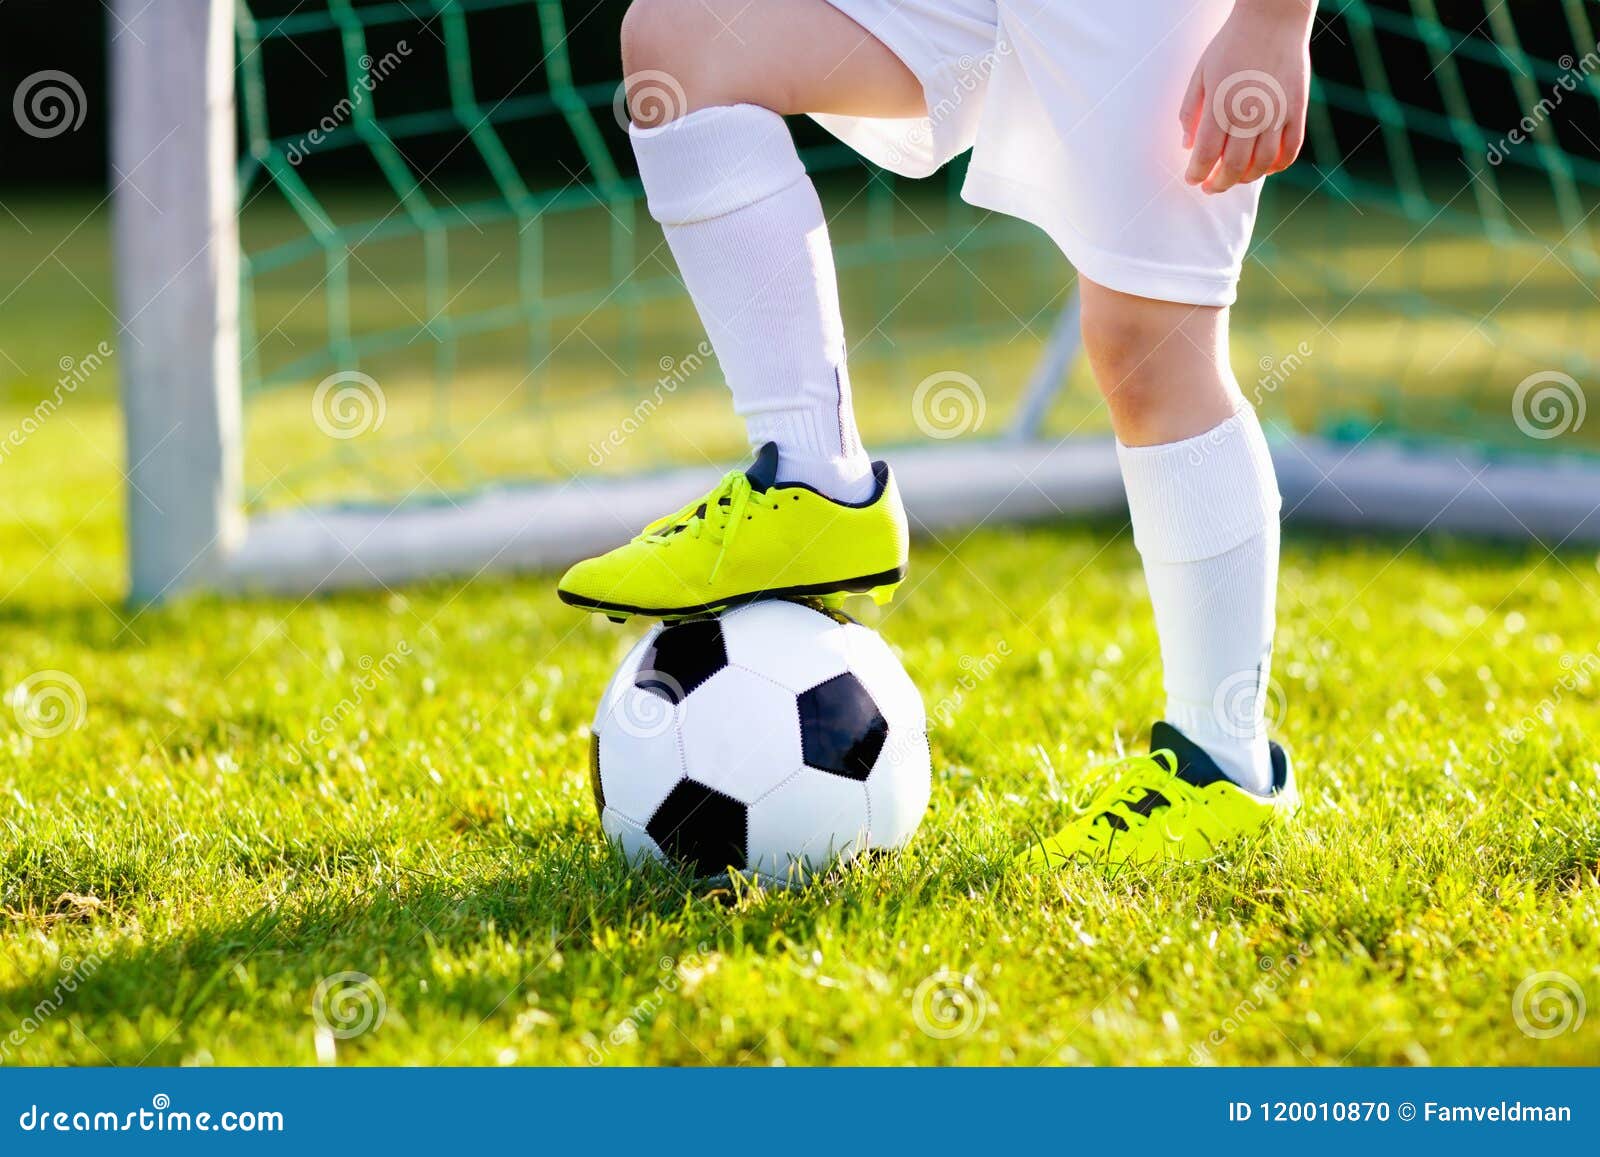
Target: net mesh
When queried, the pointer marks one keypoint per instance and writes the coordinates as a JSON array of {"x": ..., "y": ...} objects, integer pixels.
[{"x": 447, "y": 261}]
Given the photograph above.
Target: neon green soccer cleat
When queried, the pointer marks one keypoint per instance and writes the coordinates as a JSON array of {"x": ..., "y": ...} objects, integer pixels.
[
  {"x": 750, "y": 538},
  {"x": 1172, "y": 805}
]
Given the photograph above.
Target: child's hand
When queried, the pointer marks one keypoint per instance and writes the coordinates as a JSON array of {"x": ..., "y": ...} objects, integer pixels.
[{"x": 1244, "y": 115}]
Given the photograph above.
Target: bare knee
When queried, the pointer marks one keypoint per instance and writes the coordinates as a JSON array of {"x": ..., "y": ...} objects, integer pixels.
[
  {"x": 682, "y": 55},
  {"x": 1161, "y": 365},
  {"x": 662, "y": 48}
]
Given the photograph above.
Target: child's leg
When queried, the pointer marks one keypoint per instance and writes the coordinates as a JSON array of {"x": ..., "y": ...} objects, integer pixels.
[
  {"x": 709, "y": 80},
  {"x": 1204, "y": 504}
]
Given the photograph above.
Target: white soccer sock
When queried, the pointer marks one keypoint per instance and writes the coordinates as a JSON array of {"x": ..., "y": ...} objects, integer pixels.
[
  {"x": 1205, "y": 520},
  {"x": 744, "y": 222}
]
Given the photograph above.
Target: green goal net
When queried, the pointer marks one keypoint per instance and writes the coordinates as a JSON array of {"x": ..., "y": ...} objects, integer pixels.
[{"x": 446, "y": 256}]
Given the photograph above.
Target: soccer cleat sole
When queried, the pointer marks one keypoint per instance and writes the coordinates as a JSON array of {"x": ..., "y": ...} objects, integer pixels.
[{"x": 881, "y": 587}]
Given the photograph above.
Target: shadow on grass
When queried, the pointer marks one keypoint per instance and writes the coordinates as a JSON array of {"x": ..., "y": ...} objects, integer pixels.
[{"x": 551, "y": 911}]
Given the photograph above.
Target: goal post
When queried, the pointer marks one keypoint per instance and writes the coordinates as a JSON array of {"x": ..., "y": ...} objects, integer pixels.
[
  {"x": 176, "y": 250},
  {"x": 195, "y": 140}
]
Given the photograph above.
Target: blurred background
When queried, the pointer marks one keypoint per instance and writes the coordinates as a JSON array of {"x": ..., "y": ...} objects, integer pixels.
[{"x": 441, "y": 195}]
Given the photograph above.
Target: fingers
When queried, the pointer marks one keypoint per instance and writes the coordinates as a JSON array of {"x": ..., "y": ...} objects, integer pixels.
[
  {"x": 1294, "y": 136},
  {"x": 1194, "y": 102},
  {"x": 1231, "y": 165},
  {"x": 1264, "y": 160},
  {"x": 1209, "y": 140},
  {"x": 1218, "y": 160}
]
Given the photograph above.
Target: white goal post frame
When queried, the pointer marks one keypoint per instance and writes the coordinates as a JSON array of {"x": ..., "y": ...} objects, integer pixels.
[{"x": 174, "y": 177}]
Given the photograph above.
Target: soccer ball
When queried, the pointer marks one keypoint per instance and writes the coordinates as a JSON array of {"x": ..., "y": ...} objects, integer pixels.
[{"x": 774, "y": 739}]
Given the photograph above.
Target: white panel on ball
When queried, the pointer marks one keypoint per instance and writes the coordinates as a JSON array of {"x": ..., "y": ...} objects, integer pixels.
[
  {"x": 740, "y": 734},
  {"x": 623, "y": 676},
  {"x": 640, "y": 756},
  {"x": 634, "y": 841},
  {"x": 899, "y": 800},
  {"x": 810, "y": 820},
  {"x": 790, "y": 644}
]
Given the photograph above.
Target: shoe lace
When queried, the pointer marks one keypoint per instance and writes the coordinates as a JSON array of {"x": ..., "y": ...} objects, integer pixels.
[
  {"x": 719, "y": 514},
  {"x": 1128, "y": 803}
]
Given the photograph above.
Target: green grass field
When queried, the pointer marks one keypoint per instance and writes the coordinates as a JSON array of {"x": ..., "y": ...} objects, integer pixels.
[{"x": 253, "y": 796}]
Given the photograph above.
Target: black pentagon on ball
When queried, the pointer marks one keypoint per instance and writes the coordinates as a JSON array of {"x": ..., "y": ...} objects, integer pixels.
[
  {"x": 841, "y": 729},
  {"x": 683, "y": 656},
  {"x": 701, "y": 827}
]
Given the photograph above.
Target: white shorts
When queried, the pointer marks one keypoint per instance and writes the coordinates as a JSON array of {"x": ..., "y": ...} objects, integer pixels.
[{"x": 1071, "y": 110}]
